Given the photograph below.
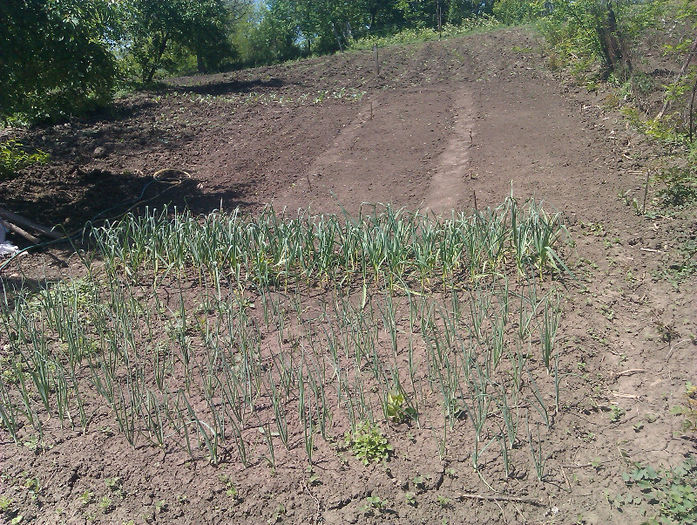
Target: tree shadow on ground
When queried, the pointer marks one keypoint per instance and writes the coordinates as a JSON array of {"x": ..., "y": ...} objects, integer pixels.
[
  {"x": 98, "y": 195},
  {"x": 131, "y": 128},
  {"x": 145, "y": 122},
  {"x": 13, "y": 287},
  {"x": 219, "y": 87}
]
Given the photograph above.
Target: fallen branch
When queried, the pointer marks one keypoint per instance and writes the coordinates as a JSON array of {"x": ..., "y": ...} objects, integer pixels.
[
  {"x": 625, "y": 396},
  {"x": 19, "y": 231},
  {"x": 18, "y": 220},
  {"x": 502, "y": 498},
  {"x": 630, "y": 372}
]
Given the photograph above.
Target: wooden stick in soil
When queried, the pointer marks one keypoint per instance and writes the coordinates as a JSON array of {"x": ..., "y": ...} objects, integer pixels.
[
  {"x": 18, "y": 220},
  {"x": 630, "y": 372},
  {"x": 692, "y": 111},
  {"x": 377, "y": 60},
  {"x": 646, "y": 192}
]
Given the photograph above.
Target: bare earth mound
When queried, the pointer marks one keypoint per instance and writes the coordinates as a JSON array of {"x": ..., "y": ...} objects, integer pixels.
[{"x": 455, "y": 125}]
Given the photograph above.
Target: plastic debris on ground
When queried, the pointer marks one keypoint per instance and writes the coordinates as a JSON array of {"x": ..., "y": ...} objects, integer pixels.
[{"x": 7, "y": 249}]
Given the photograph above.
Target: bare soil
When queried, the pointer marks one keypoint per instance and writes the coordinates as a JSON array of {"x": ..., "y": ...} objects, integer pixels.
[{"x": 452, "y": 125}]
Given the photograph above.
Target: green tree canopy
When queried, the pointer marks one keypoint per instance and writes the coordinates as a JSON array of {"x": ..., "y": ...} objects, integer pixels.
[
  {"x": 202, "y": 26},
  {"x": 55, "y": 55}
]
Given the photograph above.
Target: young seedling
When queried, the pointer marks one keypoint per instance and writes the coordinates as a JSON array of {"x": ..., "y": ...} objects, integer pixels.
[
  {"x": 410, "y": 497},
  {"x": 443, "y": 501},
  {"x": 374, "y": 503},
  {"x": 419, "y": 482},
  {"x": 106, "y": 505},
  {"x": 86, "y": 497},
  {"x": 616, "y": 413}
]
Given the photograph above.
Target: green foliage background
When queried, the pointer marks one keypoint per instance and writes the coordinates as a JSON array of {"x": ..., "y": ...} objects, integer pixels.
[
  {"x": 55, "y": 56},
  {"x": 66, "y": 57}
]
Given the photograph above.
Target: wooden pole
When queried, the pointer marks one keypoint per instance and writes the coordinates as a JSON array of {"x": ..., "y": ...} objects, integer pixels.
[
  {"x": 377, "y": 60},
  {"x": 439, "y": 15}
]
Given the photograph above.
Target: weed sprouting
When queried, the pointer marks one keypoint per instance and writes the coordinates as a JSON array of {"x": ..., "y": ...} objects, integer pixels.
[
  {"x": 374, "y": 503},
  {"x": 688, "y": 409},
  {"x": 14, "y": 156},
  {"x": 668, "y": 495},
  {"x": 368, "y": 443}
]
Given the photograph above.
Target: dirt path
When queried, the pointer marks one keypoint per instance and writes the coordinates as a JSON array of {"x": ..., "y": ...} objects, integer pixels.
[
  {"x": 445, "y": 122},
  {"x": 449, "y": 184}
]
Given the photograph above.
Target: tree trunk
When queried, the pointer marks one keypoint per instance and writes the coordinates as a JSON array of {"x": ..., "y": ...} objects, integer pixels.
[
  {"x": 612, "y": 44},
  {"x": 337, "y": 37},
  {"x": 160, "y": 51}
]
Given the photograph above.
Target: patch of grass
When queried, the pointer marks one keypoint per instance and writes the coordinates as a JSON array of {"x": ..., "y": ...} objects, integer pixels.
[
  {"x": 426, "y": 34},
  {"x": 679, "y": 187},
  {"x": 77, "y": 293},
  {"x": 14, "y": 157},
  {"x": 683, "y": 263}
]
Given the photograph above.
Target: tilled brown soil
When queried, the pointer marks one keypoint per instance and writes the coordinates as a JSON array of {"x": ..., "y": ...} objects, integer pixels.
[{"x": 452, "y": 125}]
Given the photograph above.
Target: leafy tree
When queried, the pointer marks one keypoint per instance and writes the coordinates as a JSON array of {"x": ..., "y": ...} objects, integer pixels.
[
  {"x": 55, "y": 56},
  {"x": 459, "y": 10},
  {"x": 592, "y": 28},
  {"x": 516, "y": 11},
  {"x": 327, "y": 23},
  {"x": 429, "y": 13},
  {"x": 275, "y": 37},
  {"x": 420, "y": 13},
  {"x": 207, "y": 36},
  {"x": 381, "y": 15},
  {"x": 202, "y": 26}
]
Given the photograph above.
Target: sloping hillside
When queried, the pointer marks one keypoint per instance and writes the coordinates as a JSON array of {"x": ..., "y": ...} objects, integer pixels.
[{"x": 458, "y": 125}]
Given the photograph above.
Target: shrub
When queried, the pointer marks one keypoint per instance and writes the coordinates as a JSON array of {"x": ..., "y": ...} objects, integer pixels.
[
  {"x": 57, "y": 57},
  {"x": 13, "y": 157},
  {"x": 517, "y": 11}
]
